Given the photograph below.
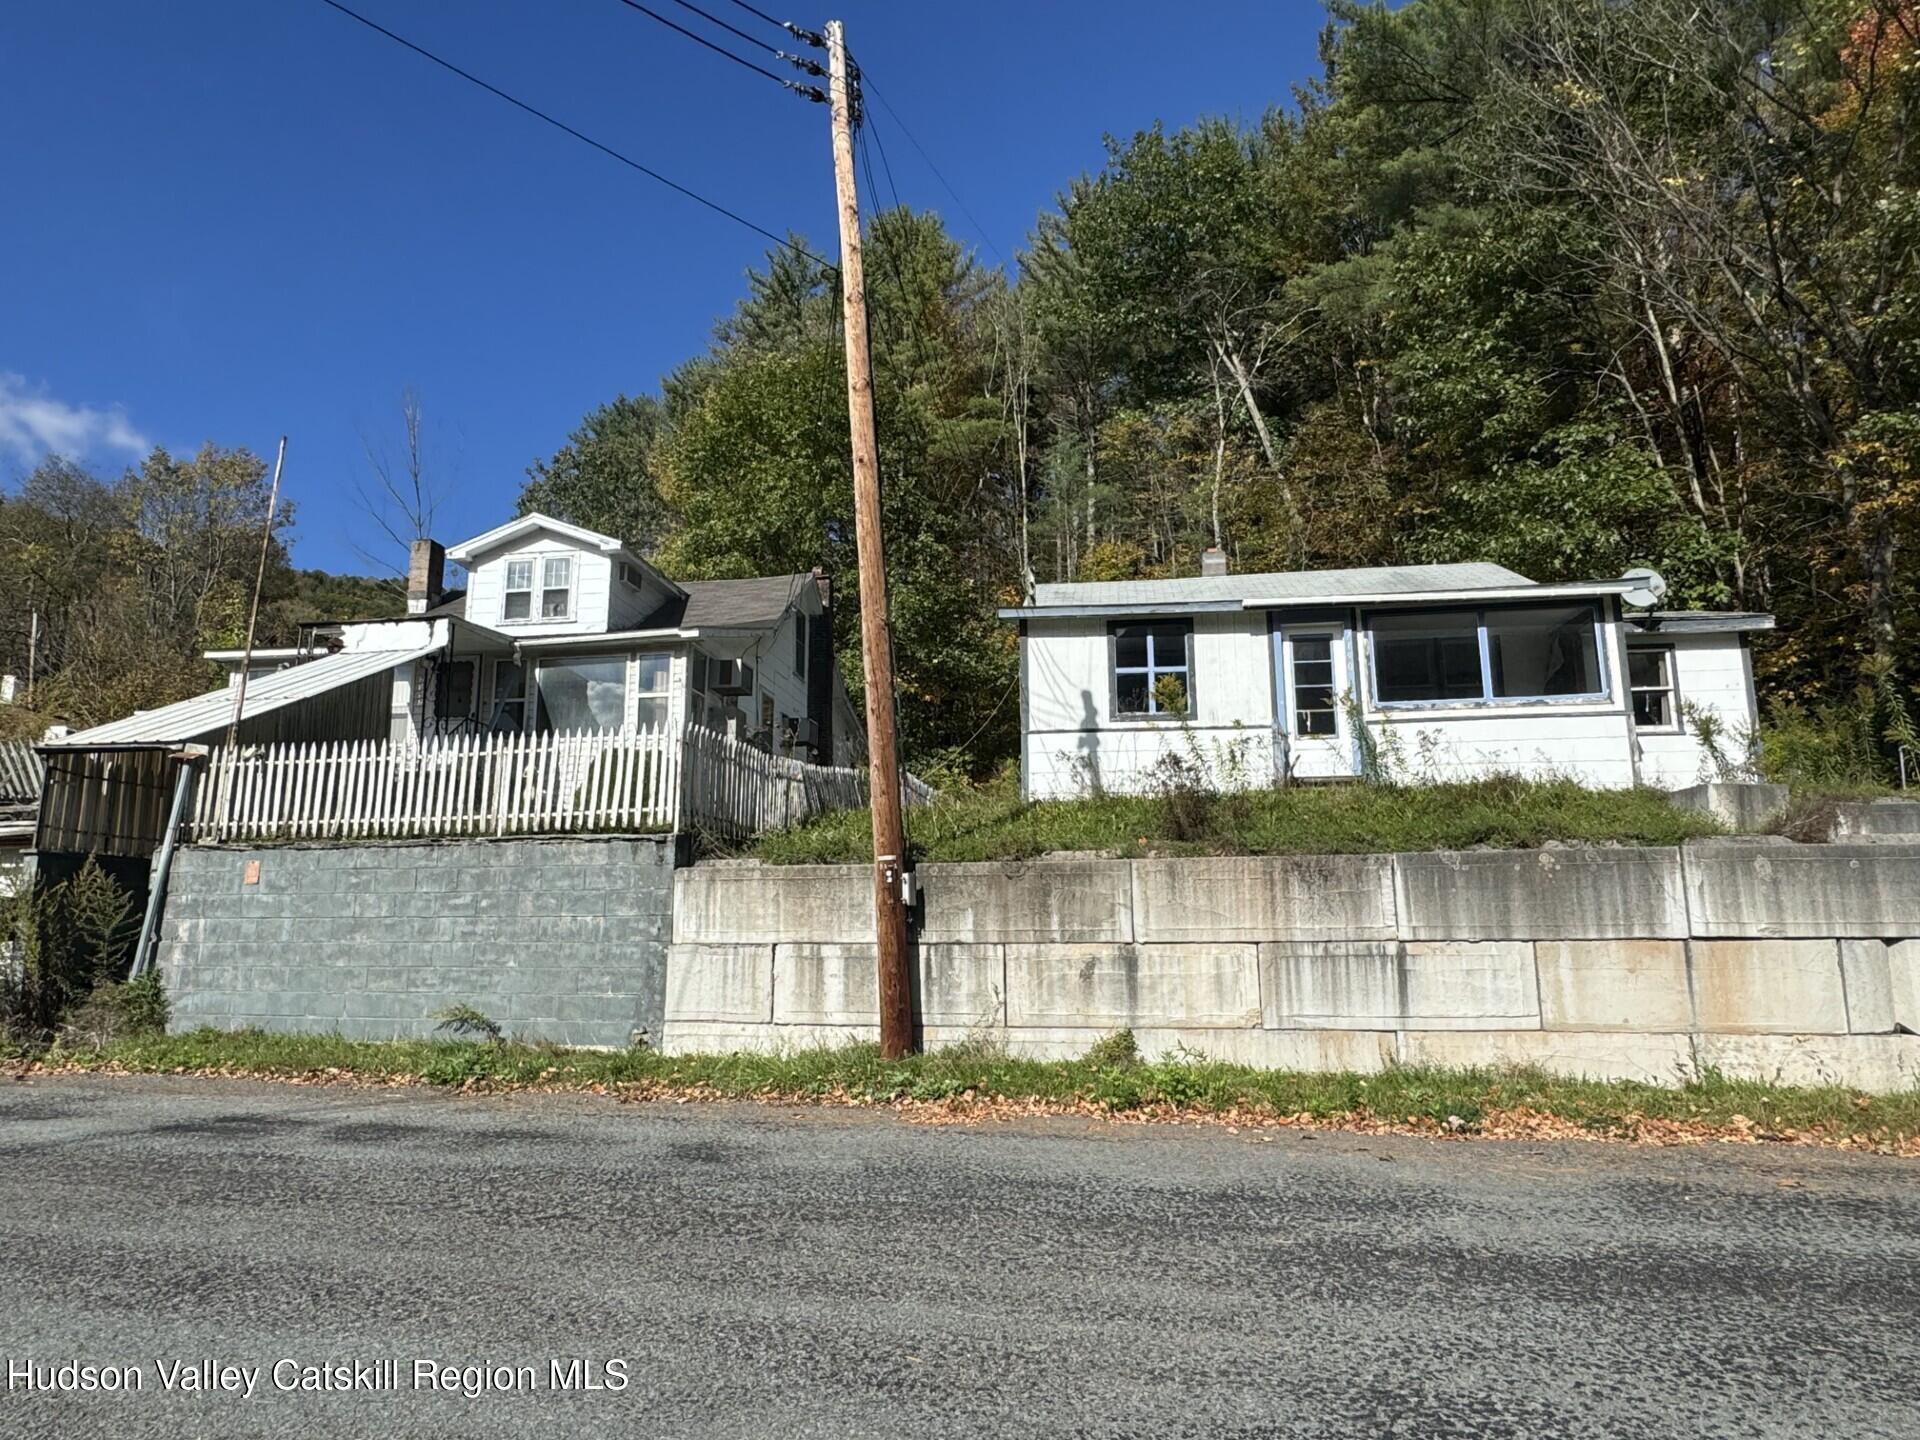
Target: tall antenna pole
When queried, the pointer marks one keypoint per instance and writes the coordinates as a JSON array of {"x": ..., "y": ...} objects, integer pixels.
[
  {"x": 253, "y": 613},
  {"x": 876, "y": 644}
]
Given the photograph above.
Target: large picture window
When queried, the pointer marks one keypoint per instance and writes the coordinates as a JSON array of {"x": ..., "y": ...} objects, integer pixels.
[
  {"x": 1432, "y": 656},
  {"x": 1513, "y": 652},
  {"x": 582, "y": 694},
  {"x": 1152, "y": 669}
]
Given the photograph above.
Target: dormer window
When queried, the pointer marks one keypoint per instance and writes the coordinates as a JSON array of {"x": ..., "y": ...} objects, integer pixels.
[
  {"x": 556, "y": 587},
  {"x": 518, "y": 603}
]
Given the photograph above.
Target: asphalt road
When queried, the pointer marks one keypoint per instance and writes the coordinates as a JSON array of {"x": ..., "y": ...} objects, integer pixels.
[{"x": 766, "y": 1272}]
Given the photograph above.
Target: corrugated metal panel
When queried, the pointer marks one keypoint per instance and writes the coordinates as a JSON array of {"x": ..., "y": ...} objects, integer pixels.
[
  {"x": 20, "y": 772},
  {"x": 207, "y": 714},
  {"x": 1291, "y": 584}
]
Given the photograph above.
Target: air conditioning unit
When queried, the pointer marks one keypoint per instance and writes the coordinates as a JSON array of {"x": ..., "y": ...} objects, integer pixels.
[
  {"x": 801, "y": 734},
  {"x": 729, "y": 677}
]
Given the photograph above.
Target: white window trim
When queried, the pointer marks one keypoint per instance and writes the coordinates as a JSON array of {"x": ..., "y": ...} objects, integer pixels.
[
  {"x": 1675, "y": 726},
  {"x": 508, "y": 589},
  {"x": 547, "y": 588}
]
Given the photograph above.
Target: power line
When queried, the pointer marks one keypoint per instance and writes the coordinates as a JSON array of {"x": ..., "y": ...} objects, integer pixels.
[
  {"x": 867, "y": 84},
  {"x": 581, "y": 136},
  {"x": 811, "y": 92},
  {"x": 761, "y": 14},
  {"x": 734, "y": 30}
]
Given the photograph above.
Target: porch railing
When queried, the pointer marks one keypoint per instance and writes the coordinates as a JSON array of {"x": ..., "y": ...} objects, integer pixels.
[{"x": 555, "y": 783}]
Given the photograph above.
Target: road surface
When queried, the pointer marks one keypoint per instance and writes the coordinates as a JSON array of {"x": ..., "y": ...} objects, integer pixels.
[{"x": 750, "y": 1271}]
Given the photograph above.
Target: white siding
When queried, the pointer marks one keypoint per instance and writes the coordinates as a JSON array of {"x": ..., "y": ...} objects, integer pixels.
[
  {"x": 1588, "y": 742},
  {"x": 592, "y": 582},
  {"x": 1073, "y": 742},
  {"x": 1071, "y": 736},
  {"x": 1715, "y": 673},
  {"x": 627, "y": 605}
]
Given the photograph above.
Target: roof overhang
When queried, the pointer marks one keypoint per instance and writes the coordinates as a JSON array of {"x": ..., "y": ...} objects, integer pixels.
[
  {"x": 600, "y": 640},
  {"x": 212, "y": 712},
  {"x": 1586, "y": 589},
  {"x": 469, "y": 550},
  {"x": 1699, "y": 622},
  {"x": 1118, "y": 612}
]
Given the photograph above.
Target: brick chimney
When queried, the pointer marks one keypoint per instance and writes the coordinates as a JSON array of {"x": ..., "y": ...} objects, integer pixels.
[
  {"x": 1213, "y": 561},
  {"x": 824, "y": 583},
  {"x": 426, "y": 576}
]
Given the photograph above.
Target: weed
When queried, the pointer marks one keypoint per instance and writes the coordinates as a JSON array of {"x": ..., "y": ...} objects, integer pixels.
[
  {"x": 467, "y": 1023},
  {"x": 1116, "y": 1051}
]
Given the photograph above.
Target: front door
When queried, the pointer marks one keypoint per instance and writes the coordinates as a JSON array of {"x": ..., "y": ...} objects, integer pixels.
[{"x": 1312, "y": 684}]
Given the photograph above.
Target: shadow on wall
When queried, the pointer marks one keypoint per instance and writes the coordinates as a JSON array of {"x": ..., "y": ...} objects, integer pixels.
[{"x": 1088, "y": 761}]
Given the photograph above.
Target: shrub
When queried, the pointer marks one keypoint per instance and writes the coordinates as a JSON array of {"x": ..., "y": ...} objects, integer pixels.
[
  {"x": 61, "y": 943},
  {"x": 117, "y": 1011},
  {"x": 1117, "y": 1051}
]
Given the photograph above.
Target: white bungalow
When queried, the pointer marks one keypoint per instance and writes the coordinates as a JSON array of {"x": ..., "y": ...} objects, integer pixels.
[
  {"x": 560, "y": 629},
  {"x": 1453, "y": 671}
]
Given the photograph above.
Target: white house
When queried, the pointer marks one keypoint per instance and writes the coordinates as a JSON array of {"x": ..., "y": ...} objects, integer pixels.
[
  {"x": 1452, "y": 671},
  {"x": 559, "y": 628}
]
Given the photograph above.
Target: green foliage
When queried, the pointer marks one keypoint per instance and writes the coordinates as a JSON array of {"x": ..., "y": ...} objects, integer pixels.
[
  {"x": 1114, "y": 1051},
  {"x": 1503, "y": 812},
  {"x": 1831, "y": 747},
  {"x": 466, "y": 1023},
  {"x": 1452, "y": 1099},
  {"x": 606, "y": 477},
  {"x": 117, "y": 1011},
  {"x": 67, "y": 940}
]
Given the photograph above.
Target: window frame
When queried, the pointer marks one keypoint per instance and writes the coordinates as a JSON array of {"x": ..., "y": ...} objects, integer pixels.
[
  {"x": 1675, "y": 725},
  {"x": 543, "y": 663},
  {"x": 508, "y": 590},
  {"x": 800, "y": 643},
  {"x": 1487, "y": 700},
  {"x": 1153, "y": 670},
  {"x": 548, "y": 588}
]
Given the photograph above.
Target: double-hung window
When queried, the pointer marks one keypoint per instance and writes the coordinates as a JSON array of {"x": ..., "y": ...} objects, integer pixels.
[
  {"x": 1655, "y": 701},
  {"x": 800, "y": 645},
  {"x": 556, "y": 587},
  {"x": 1153, "y": 669},
  {"x": 517, "y": 601},
  {"x": 1510, "y": 652},
  {"x": 654, "y": 674}
]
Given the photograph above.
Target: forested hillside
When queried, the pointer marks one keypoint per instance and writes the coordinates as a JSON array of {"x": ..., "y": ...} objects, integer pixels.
[
  {"x": 130, "y": 579},
  {"x": 1563, "y": 284}
]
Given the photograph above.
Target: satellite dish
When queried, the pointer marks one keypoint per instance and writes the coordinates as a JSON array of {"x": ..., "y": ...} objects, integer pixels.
[{"x": 1649, "y": 587}]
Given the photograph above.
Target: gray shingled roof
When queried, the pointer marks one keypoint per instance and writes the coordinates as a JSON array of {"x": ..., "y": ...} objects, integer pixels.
[
  {"x": 756, "y": 604},
  {"x": 1284, "y": 585}
]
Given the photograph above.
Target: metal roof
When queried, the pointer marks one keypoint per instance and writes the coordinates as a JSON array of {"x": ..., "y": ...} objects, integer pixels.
[
  {"x": 213, "y": 711},
  {"x": 20, "y": 772},
  {"x": 1303, "y": 585},
  {"x": 1700, "y": 622}
]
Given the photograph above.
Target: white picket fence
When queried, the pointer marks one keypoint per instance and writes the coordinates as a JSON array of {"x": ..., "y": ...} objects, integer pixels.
[{"x": 555, "y": 783}]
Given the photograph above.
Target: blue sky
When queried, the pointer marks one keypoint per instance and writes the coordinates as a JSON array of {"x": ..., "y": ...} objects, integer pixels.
[{"x": 227, "y": 219}]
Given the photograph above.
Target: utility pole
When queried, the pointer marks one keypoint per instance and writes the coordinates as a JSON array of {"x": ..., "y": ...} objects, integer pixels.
[
  {"x": 876, "y": 644},
  {"x": 253, "y": 613}
]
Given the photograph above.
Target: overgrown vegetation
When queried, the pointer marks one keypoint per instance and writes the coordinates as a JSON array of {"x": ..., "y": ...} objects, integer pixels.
[
  {"x": 61, "y": 943},
  {"x": 1113, "y": 1079},
  {"x": 1564, "y": 284},
  {"x": 994, "y": 824}
]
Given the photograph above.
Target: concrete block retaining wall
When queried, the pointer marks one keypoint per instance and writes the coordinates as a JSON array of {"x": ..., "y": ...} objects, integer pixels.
[
  {"x": 561, "y": 940},
  {"x": 1763, "y": 959}
]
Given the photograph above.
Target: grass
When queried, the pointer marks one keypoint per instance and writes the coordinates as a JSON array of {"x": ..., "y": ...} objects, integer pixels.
[
  {"x": 1503, "y": 812},
  {"x": 1109, "y": 1078}
]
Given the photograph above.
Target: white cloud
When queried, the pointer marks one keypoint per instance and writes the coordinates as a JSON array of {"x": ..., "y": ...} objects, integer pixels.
[{"x": 34, "y": 424}]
